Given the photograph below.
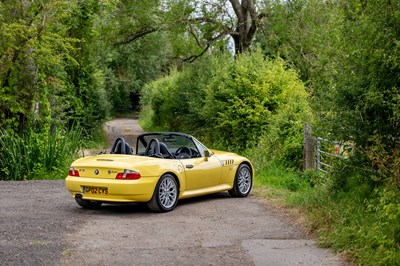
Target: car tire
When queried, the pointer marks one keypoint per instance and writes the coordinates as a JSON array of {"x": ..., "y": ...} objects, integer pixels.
[
  {"x": 165, "y": 196},
  {"x": 243, "y": 182},
  {"x": 88, "y": 204}
]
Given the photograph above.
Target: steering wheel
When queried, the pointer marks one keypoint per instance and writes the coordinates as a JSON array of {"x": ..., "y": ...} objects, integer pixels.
[
  {"x": 153, "y": 152},
  {"x": 194, "y": 153},
  {"x": 183, "y": 150}
]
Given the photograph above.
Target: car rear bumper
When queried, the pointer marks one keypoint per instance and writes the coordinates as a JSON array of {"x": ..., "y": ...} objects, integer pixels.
[{"x": 140, "y": 190}]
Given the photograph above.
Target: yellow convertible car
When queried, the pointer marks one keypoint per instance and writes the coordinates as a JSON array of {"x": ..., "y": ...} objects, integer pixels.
[{"x": 166, "y": 167}]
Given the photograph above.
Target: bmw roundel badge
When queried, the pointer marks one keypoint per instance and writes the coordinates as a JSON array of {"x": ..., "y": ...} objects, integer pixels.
[{"x": 96, "y": 171}]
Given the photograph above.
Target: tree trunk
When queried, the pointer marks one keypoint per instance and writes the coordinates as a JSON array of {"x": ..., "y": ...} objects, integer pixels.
[{"x": 247, "y": 24}]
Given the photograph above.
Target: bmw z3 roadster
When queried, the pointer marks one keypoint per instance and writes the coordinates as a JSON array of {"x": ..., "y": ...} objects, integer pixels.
[{"x": 165, "y": 167}]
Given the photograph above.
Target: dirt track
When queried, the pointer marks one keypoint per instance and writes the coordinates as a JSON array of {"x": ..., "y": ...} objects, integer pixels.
[
  {"x": 129, "y": 129},
  {"x": 40, "y": 224}
]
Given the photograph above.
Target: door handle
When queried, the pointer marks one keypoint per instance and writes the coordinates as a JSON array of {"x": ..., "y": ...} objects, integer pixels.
[{"x": 189, "y": 166}]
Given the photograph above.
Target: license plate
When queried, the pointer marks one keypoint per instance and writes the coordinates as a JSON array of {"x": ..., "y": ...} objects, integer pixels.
[{"x": 95, "y": 190}]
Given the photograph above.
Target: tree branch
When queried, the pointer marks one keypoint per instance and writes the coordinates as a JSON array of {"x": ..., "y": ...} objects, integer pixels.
[
  {"x": 195, "y": 37},
  {"x": 238, "y": 10},
  {"x": 192, "y": 58},
  {"x": 255, "y": 24},
  {"x": 226, "y": 29},
  {"x": 145, "y": 30},
  {"x": 252, "y": 9}
]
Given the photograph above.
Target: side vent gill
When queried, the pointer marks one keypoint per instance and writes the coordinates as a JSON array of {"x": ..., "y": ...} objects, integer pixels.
[{"x": 228, "y": 162}]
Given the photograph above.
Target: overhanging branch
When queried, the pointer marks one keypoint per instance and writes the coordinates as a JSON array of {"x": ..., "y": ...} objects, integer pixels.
[
  {"x": 192, "y": 58},
  {"x": 255, "y": 25},
  {"x": 226, "y": 29},
  {"x": 145, "y": 30}
]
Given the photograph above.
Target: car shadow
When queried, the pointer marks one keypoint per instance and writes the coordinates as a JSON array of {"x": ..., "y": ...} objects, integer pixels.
[
  {"x": 141, "y": 208},
  {"x": 205, "y": 198}
]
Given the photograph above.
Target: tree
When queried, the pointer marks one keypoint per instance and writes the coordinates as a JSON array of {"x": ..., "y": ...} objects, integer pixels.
[
  {"x": 50, "y": 72},
  {"x": 215, "y": 20},
  {"x": 133, "y": 56},
  {"x": 196, "y": 26},
  {"x": 247, "y": 24},
  {"x": 33, "y": 52},
  {"x": 348, "y": 53}
]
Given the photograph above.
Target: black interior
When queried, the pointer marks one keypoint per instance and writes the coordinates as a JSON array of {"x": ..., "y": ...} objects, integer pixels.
[
  {"x": 155, "y": 147},
  {"x": 120, "y": 146}
]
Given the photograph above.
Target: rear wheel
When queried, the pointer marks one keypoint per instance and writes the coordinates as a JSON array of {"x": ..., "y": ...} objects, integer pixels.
[
  {"x": 165, "y": 195},
  {"x": 88, "y": 204},
  {"x": 243, "y": 182}
]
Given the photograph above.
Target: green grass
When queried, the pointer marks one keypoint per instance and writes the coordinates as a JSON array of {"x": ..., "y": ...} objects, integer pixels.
[
  {"x": 98, "y": 140},
  {"x": 278, "y": 177},
  {"x": 286, "y": 187},
  {"x": 357, "y": 221},
  {"x": 38, "y": 155}
]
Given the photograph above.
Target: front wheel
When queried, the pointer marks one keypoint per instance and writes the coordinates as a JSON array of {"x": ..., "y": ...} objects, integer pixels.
[
  {"x": 243, "y": 182},
  {"x": 88, "y": 204},
  {"x": 165, "y": 195}
]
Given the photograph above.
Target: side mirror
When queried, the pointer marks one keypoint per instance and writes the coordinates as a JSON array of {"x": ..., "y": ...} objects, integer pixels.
[{"x": 206, "y": 154}]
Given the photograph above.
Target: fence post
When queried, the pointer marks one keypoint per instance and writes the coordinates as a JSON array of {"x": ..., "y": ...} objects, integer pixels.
[
  {"x": 319, "y": 154},
  {"x": 309, "y": 150}
]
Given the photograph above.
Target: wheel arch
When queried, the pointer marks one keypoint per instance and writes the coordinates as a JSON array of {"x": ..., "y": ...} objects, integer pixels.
[
  {"x": 236, "y": 189},
  {"x": 156, "y": 203},
  {"x": 176, "y": 178},
  {"x": 249, "y": 165}
]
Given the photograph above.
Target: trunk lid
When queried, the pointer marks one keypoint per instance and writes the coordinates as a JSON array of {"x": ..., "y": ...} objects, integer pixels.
[{"x": 106, "y": 166}]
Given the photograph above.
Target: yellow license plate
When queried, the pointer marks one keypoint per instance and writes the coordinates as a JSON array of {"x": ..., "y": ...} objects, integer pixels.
[{"x": 95, "y": 190}]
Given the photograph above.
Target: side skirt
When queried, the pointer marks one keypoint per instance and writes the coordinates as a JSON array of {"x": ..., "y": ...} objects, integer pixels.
[{"x": 205, "y": 191}]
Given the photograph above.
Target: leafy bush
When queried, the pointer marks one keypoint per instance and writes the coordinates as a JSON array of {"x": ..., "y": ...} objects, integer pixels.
[
  {"x": 234, "y": 104},
  {"x": 282, "y": 140},
  {"x": 175, "y": 102},
  {"x": 37, "y": 155},
  {"x": 362, "y": 223}
]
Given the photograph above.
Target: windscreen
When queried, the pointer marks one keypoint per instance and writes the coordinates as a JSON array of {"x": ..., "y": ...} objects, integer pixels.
[{"x": 172, "y": 141}]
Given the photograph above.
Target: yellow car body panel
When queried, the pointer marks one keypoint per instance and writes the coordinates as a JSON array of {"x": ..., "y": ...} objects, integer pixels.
[
  {"x": 108, "y": 166},
  {"x": 204, "y": 174},
  {"x": 139, "y": 190},
  {"x": 195, "y": 176}
]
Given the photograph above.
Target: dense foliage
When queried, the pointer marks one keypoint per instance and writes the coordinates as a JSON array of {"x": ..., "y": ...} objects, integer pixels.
[
  {"x": 37, "y": 156},
  {"x": 62, "y": 67},
  {"x": 46, "y": 77},
  {"x": 234, "y": 104},
  {"x": 66, "y": 62},
  {"x": 348, "y": 53}
]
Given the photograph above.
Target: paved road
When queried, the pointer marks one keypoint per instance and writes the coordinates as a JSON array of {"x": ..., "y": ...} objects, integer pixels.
[
  {"x": 129, "y": 129},
  {"x": 40, "y": 224}
]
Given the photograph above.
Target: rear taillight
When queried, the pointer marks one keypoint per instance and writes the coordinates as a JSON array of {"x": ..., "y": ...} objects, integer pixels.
[
  {"x": 73, "y": 172},
  {"x": 128, "y": 175}
]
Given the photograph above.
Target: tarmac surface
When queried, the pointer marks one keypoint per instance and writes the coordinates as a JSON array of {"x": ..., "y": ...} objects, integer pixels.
[{"x": 40, "y": 224}]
